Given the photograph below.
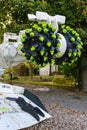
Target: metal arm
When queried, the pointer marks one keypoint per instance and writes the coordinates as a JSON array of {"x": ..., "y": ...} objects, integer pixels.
[
  {"x": 43, "y": 16},
  {"x": 10, "y": 55}
]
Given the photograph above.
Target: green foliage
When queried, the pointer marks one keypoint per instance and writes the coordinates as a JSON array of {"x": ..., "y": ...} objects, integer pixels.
[
  {"x": 22, "y": 70},
  {"x": 50, "y": 81},
  {"x": 74, "y": 10},
  {"x": 6, "y": 77},
  {"x": 13, "y": 14},
  {"x": 61, "y": 80},
  {"x": 73, "y": 71}
]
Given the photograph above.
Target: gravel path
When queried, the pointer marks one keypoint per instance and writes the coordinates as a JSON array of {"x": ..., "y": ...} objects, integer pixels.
[
  {"x": 68, "y": 109},
  {"x": 63, "y": 119}
]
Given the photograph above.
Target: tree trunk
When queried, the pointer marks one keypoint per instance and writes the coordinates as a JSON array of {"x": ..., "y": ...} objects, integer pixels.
[
  {"x": 31, "y": 70},
  {"x": 49, "y": 69},
  {"x": 84, "y": 79}
]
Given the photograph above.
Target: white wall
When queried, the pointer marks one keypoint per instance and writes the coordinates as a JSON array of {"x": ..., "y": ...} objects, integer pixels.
[{"x": 45, "y": 71}]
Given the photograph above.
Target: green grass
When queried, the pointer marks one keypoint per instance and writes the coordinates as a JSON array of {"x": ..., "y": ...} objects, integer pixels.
[
  {"x": 45, "y": 81},
  {"x": 58, "y": 81}
]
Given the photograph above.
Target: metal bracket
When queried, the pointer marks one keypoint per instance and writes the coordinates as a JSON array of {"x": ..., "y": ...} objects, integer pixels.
[{"x": 43, "y": 16}]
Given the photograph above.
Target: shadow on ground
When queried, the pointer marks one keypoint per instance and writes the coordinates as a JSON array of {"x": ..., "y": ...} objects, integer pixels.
[{"x": 55, "y": 95}]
